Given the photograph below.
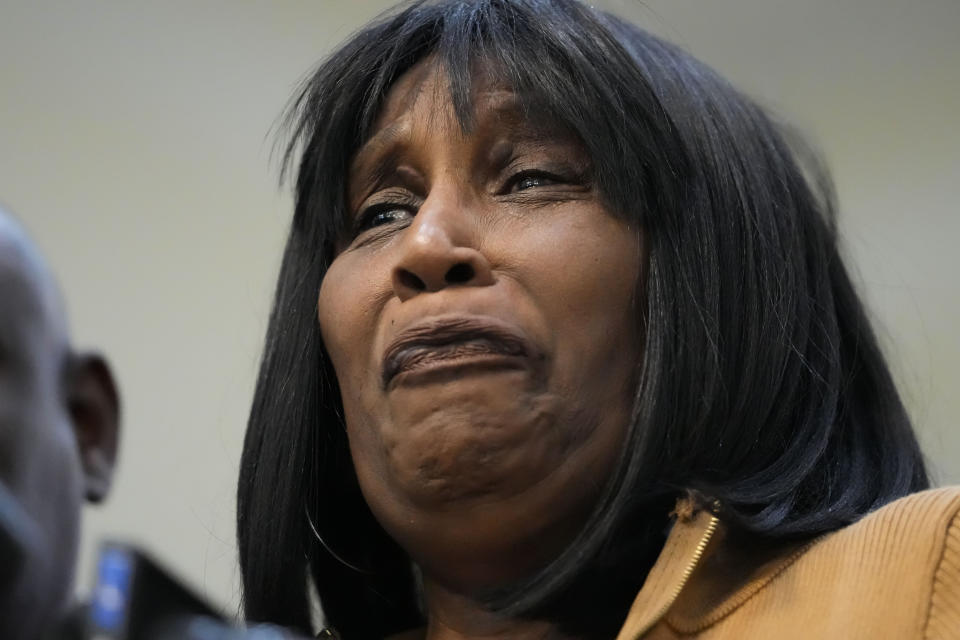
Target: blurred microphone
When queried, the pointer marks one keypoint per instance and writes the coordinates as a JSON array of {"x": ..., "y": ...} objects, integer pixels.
[{"x": 135, "y": 598}]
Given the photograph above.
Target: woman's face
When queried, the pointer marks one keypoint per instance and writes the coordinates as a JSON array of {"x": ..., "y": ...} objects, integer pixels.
[{"x": 482, "y": 322}]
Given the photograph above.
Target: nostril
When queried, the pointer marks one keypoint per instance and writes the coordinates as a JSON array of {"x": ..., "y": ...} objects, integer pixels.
[
  {"x": 459, "y": 273},
  {"x": 411, "y": 281}
]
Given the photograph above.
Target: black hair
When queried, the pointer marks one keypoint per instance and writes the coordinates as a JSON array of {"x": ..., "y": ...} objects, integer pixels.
[{"x": 762, "y": 385}]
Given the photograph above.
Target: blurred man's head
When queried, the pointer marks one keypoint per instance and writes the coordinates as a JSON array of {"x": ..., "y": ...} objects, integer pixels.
[{"x": 59, "y": 415}]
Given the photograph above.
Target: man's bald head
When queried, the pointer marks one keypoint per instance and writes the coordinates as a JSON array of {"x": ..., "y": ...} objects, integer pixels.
[
  {"x": 58, "y": 432},
  {"x": 27, "y": 288}
]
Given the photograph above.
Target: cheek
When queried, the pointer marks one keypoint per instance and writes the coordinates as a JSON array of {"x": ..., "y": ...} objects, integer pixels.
[
  {"x": 348, "y": 306},
  {"x": 584, "y": 277},
  {"x": 583, "y": 273},
  {"x": 605, "y": 258}
]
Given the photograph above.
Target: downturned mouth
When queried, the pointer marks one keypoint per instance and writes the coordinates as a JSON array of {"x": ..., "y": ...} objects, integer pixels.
[{"x": 446, "y": 340}]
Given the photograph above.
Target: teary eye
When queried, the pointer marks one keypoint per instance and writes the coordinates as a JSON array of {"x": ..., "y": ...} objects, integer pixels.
[
  {"x": 530, "y": 180},
  {"x": 381, "y": 214}
]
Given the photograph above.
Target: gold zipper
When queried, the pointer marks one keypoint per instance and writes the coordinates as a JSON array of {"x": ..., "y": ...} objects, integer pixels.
[{"x": 687, "y": 572}]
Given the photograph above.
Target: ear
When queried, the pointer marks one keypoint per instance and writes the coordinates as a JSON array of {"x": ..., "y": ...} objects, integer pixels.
[{"x": 94, "y": 405}]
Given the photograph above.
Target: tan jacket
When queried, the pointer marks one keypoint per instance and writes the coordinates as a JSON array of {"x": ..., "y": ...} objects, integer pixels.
[{"x": 893, "y": 574}]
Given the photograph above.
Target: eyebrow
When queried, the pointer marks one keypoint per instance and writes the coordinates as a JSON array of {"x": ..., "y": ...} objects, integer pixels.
[
  {"x": 375, "y": 160},
  {"x": 382, "y": 146}
]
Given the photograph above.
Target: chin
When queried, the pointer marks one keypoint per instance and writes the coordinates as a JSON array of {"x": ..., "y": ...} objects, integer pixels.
[
  {"x": 479, "y": 517},
  {"x": 486, "y": 446}
]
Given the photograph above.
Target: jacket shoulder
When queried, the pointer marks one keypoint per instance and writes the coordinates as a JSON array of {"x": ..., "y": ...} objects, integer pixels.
[
  {"x": 946, "y": 498},
  {"x": 929, "y": 512},
  {"x": 914, "y": 544},
  {"x": 917, "y": 525}
]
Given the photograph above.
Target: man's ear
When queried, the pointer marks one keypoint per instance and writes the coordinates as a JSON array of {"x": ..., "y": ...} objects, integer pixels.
[{"x": 94, "y": 405}]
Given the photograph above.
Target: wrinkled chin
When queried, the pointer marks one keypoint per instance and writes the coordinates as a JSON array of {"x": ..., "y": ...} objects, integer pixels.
[{"x": 448, "y": 450}]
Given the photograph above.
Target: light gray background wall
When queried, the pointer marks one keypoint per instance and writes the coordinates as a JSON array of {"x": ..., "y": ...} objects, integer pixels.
[{"x": 134, "y": 142}]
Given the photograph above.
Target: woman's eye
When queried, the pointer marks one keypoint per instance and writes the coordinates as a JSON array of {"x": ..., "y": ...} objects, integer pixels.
[
  {"x": 379, "y": 215},
  {"x": 531, "y": 180}
]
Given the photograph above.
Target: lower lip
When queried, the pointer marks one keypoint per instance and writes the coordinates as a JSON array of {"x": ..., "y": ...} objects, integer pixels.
[{"x": 444, "y": 370}]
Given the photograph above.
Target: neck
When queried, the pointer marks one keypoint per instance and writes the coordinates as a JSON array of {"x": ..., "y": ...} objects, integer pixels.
[{"x": 453, "y": 616}]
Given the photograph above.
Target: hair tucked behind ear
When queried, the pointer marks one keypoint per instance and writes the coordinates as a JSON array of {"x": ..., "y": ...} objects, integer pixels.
[{"x": 761, "y": 385}]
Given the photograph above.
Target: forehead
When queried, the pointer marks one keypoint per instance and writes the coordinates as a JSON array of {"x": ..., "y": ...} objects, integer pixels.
[
  {"x": 421, "y": 99},
  {"x": 426, "y": 85}
]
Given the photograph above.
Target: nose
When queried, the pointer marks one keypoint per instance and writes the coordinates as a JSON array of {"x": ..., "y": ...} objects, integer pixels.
[{"x": 438, "y": 251}]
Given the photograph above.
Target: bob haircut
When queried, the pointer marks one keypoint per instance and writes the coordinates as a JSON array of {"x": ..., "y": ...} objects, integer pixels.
[{"x": 761, "y": 388}]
